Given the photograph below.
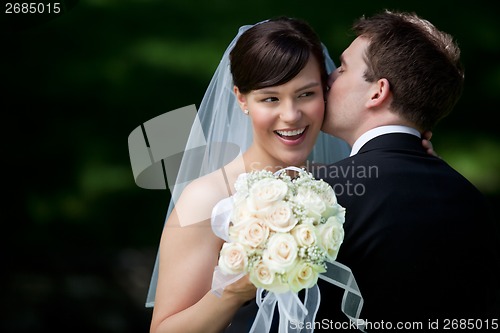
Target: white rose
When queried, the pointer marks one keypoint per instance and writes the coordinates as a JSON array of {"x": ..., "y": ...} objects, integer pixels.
[
  {"x": 327, "y": 194},
  {"x": 304, "y": 234},
  {"x": 336, "y": 212},
  {"x": 233, "y": 258},
  {"x": 311, "y": 201},
  {"x": 263, "y": 277},
  {"x": 280, "y": 217},
  {"x": 267, "y": 191},
  {"x": 340, "y": 213},
  {"x": 241, "y": 213},
  {"x": 330, "y": 237},
  {"x": 254, "y": 233},
  {"x": 303, "y": 275},
  {"x": 281, "y": 252}
]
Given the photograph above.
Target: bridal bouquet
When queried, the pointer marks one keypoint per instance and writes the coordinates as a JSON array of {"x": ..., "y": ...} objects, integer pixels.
[{"x": 282, "y": 230}]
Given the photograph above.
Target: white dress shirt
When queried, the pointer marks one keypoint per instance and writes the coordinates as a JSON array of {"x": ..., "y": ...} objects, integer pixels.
[{"x": 377, "y": 131}]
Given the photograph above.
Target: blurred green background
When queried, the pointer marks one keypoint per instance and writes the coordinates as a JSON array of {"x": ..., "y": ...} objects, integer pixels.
[{"x": 79, "y": 237}]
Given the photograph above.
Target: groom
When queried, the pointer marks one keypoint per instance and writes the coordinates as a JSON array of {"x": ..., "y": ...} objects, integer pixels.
[{"x": 418, "y": 237}]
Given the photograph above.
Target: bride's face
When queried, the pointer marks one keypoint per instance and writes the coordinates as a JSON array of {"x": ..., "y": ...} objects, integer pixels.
[{"x": 286, "y": 118}]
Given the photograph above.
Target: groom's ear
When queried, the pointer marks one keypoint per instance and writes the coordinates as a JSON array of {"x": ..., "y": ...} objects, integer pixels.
[
  {"x": 379, "y": 93},
  {"x": 241, "y": 98}
]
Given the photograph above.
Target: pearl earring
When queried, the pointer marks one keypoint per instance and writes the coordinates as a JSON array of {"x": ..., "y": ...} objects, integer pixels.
[{"x": 246, "y": 111}]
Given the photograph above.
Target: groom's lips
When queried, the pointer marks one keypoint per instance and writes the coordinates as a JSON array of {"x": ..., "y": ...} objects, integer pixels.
[{"x": 293, "y": 139}]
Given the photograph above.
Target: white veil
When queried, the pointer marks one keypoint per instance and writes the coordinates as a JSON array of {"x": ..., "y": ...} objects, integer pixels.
[{"x": 219, "y": 133}]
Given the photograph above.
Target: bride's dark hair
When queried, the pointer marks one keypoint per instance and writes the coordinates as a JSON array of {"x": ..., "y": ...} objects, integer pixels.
[{"x": 274, "y": 52}]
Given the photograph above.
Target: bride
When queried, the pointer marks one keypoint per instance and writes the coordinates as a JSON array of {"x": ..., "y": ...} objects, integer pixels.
[{"x": 267, "y": 100}]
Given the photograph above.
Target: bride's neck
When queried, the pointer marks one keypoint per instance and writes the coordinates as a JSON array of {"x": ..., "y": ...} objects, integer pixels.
[{"x": 256, "y": 160}]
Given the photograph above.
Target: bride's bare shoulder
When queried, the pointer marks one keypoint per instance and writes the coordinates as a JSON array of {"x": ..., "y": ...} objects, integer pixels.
[
  {"x": 216, "y": 185},
  {"x": 199, "y": 197},
  {"x": 208, "y": 186}
]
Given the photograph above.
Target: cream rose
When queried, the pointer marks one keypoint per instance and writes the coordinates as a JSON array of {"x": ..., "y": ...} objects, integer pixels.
[
  {"x": 254, "y": 233},
  {"x": 266, "y": 192},
  {"x": 330, "y": 237},
  {"x": 304, "y": 234},
  {"x": 314, "y": 204},
  {"x": 281, "y": 252},
  {"x": 238, "y": 225},
  {"x": 280, "y": 217},
  {"x": 233, "y": 258},
  {"x": 303, "y": 275},
  {"x": 241, "y": 213},
  {"x": 263, "y": 277}
]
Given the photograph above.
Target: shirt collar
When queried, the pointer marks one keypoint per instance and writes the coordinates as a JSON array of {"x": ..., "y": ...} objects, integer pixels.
[{"x": 377, "y": 131}]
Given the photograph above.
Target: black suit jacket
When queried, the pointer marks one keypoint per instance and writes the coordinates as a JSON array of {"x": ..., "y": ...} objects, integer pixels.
[{"x": 418, "y": 237}]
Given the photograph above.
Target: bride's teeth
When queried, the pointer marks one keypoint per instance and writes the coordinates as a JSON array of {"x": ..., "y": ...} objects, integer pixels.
[{"x": 291, "y": 133}]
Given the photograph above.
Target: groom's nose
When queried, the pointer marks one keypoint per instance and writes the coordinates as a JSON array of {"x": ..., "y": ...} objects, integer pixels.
[{"x": 332, "y": 78}]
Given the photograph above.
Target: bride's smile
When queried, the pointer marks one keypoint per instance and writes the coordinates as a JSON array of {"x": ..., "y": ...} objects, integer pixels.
[{"x": 292, "y": 137}]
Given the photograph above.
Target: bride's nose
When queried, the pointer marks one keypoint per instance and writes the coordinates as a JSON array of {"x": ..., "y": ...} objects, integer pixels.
[{"x": 290, "y": 113}]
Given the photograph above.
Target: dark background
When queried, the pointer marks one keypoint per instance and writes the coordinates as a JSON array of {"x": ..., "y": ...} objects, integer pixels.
[{"x": 79, "y": 238}]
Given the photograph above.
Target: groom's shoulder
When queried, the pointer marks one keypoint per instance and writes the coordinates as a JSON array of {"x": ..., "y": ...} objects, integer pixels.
[{"x": 325, "y": 171}]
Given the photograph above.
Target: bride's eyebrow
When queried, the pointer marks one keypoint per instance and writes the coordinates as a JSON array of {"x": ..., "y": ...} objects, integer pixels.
[
  {"x": 269, "y": 91},
  {"x": 308, "y": 86},
  {"x": 265, "y": 91}
]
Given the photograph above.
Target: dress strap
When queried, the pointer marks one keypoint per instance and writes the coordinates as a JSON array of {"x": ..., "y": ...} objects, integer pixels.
[{"x": 226, "y": 181}]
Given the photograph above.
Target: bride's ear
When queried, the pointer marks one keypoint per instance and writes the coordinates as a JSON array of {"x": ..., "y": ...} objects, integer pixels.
[
  {"x": 241, "y": 98},
  {"x": 379, "y": 94}
]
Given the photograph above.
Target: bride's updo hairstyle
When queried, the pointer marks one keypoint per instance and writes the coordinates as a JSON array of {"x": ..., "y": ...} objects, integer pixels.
[{"x": 274, "y": 52}]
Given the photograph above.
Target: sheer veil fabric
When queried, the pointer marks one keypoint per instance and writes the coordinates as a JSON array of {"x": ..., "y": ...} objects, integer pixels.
[{"x": 221, "y": 132}]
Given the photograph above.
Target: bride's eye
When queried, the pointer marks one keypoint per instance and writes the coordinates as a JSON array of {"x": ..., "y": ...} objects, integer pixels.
[
  {"x": 307, "y": 94},
  {"x": 270, "y": 99}
]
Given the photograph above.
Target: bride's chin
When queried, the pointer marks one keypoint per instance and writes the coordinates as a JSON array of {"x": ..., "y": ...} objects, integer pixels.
[{"x": 298, "y": 162}]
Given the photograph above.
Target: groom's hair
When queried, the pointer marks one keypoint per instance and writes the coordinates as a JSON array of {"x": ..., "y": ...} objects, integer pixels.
[
  {"x": 421, "y": 63},
  {"x": 274, "y": 52}
]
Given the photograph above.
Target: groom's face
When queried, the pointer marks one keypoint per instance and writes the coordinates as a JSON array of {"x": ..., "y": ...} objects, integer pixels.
[{"x": 348, "y": 93}]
